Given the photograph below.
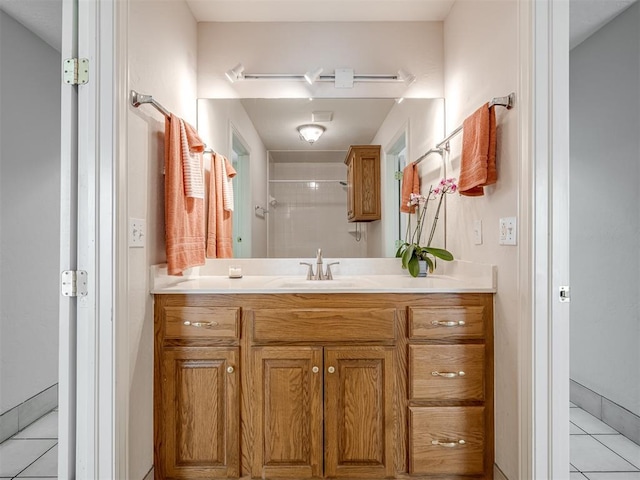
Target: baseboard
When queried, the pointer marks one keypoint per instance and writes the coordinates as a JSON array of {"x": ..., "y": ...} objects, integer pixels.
[
  {"x": 498, "y": 474},
  {"x": 617, "y": 417},
  {"x": 23, "y": 415}
]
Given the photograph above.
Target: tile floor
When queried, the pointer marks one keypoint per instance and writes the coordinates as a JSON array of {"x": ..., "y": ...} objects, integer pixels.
[
  {"x": 33, "y": 452},
  {"x": 597, "y": 452}
]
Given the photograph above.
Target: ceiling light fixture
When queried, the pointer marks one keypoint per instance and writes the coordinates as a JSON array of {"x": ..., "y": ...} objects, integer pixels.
[
  {"x": 313, "y": 75},
  {"x": 310, "y": 132},
  {"x": 236, "y": 73}
]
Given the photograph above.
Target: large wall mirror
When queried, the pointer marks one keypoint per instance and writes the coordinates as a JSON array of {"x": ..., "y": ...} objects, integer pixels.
[{"x": 291, "y": 195}]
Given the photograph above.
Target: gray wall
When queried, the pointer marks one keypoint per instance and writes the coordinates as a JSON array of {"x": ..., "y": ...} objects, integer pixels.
[
  {"x": 605, "y": 211},
  {"x": 29, "y": 213}
]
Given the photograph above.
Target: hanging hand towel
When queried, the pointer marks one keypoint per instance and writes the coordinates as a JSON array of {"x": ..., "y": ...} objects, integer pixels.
[
  {"x": 220, "y": 221},
  {"x": 478, "y": 162},
  {"x": 228, "y": 172},
  {"x": 184, "y": 216},
  {"x": 410, "y": 184},
  {"x": 191, "y": 167}
]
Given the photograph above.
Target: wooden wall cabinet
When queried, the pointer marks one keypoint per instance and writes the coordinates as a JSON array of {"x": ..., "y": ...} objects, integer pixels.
[
  {"x": 363, "y": 183},
  {"x": 366, "y": 386}
]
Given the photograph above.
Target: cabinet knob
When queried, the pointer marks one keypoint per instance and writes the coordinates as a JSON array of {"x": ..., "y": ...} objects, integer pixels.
[
  {"x": 230, "y": 369},
  {"x": 331, "y": 369},
  {"x": 315, "y": 369}
]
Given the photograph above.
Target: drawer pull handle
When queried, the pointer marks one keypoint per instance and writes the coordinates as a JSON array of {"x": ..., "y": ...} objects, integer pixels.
[
  {"x": 331, "y": 369},
  {"x": 444, "y": 323},
  {"x": 187, "y": 323},
  {"x": 230, "y": 369},
  {"x": 315, "y": 369},
  {"x": 448, "y": 444},
  {"x": 448, "y": 374}
]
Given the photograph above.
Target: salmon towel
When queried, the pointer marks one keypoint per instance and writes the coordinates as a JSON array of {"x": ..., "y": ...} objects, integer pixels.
[
  {"x": 410, "y": 184},
  {"x": 220, "y": 221},
  {"x": 192, "y": 173},
  {"x": 478, "y": 162},
  {"x": 228, "y": 172},
  {"x": 184, "y": 216}
]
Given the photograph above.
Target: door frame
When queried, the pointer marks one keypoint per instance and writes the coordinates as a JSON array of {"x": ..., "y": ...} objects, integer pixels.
[
  {"x": 543, "y": 253},
  {"x": 543, "y": 264},
  {"x": 93, "y": 432}
]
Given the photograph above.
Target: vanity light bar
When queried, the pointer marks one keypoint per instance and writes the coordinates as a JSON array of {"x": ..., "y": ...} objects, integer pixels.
[{"x": 323, "y": 78}]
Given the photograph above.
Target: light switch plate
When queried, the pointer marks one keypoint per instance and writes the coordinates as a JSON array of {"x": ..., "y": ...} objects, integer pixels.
[
  {"x": 137, "y": 232},
  {"x": 477, "y": 232},
  {"x": 507, "y": 231}
]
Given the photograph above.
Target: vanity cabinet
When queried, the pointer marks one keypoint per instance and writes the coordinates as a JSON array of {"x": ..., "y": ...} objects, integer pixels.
[
  {"x": 325, "y": 408},
  {"x": 324, "y": 386},
  {"x": 197, "y": 394},
  {"x": 451, "y": 390},
  {"x": 363, "y": 183}
]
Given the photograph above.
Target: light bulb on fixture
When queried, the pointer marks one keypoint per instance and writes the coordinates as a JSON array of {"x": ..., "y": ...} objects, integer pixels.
[
  {"x": 406, "y": 77},
  {"x": 313, "y": 75},
  {"x": 236, "y": 73},
  {"x": 310, "y": 132}
]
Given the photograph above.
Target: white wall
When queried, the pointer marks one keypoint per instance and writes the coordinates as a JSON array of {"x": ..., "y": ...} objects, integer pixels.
[
  {"x": 423, "y": 119},
  {"x": 162, "y": 39},
  {"x": 480, "y": 45},
  {"x": 216, "y": 118},
  {"x": 379, "y": 47},
  {"x": 29, "y": 213},
  {"x": 605, "y": 211}
]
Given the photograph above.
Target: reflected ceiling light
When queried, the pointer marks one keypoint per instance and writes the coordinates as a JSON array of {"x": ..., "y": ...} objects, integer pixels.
[
  {"x": 406, "y": 77},
  {"x": 313, "y": 75},
  {"x": 310, "y": 132},
  {"x": 236, "y": 73},
  {"x": 399, "y": 100}
]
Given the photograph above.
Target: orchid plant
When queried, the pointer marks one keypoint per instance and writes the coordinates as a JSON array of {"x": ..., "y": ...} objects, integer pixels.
[{"x": 411, "y": 251}]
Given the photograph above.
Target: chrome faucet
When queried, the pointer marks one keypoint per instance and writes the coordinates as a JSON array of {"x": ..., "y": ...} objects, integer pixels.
[{"x": 319, "y": 274}]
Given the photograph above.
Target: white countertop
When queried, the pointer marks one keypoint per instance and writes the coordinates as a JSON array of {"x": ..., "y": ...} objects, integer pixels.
[{"x": 272, "y": 276}]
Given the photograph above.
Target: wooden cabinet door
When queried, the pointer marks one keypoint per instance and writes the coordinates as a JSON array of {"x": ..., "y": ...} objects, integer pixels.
[
  {"x": 200, "y": 409},
  {"x": 288, "y": 412},
  {"x": 363, "y": 183},
  {"x": 359, "y": 412}
]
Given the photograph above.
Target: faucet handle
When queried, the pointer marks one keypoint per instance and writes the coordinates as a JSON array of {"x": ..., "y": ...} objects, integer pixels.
[
  {"x": 309, "y": 271},
  {"x": 329, "y": 275}
]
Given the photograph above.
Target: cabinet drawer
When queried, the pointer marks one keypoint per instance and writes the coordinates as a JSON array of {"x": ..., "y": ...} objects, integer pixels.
[
  {"x": 443, "y": 323},
  {"x": 446, "y": 372},
  {"x": 446, "y": 440},
  {"x": 201, "y": 322},
  {"x": 324, "y": 325}
]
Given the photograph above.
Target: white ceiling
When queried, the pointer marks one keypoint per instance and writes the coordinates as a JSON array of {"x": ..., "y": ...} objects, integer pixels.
[
  {"x": 319, "y": 10},
  {"x": 43, "y": 17},
  {"x": 354, "y": 121}
]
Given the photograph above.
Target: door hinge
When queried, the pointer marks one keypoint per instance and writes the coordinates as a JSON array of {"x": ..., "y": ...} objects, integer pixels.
[
  {"x": 76, "y": 71},
  {"x": 397, "y": 175},
  {"x": 74, "y": 283},
  {"x": 565, "y": 293}
]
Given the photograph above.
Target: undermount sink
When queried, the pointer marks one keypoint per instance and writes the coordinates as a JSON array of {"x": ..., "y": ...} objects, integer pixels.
[{"x": 319, "y": 284}]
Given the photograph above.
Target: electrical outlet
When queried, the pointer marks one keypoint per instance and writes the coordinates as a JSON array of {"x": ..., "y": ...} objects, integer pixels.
[
  {"x": 137, "y": 232},
  {"x": 507, "y": 231},
  {"x": 477, "y": 232}
]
